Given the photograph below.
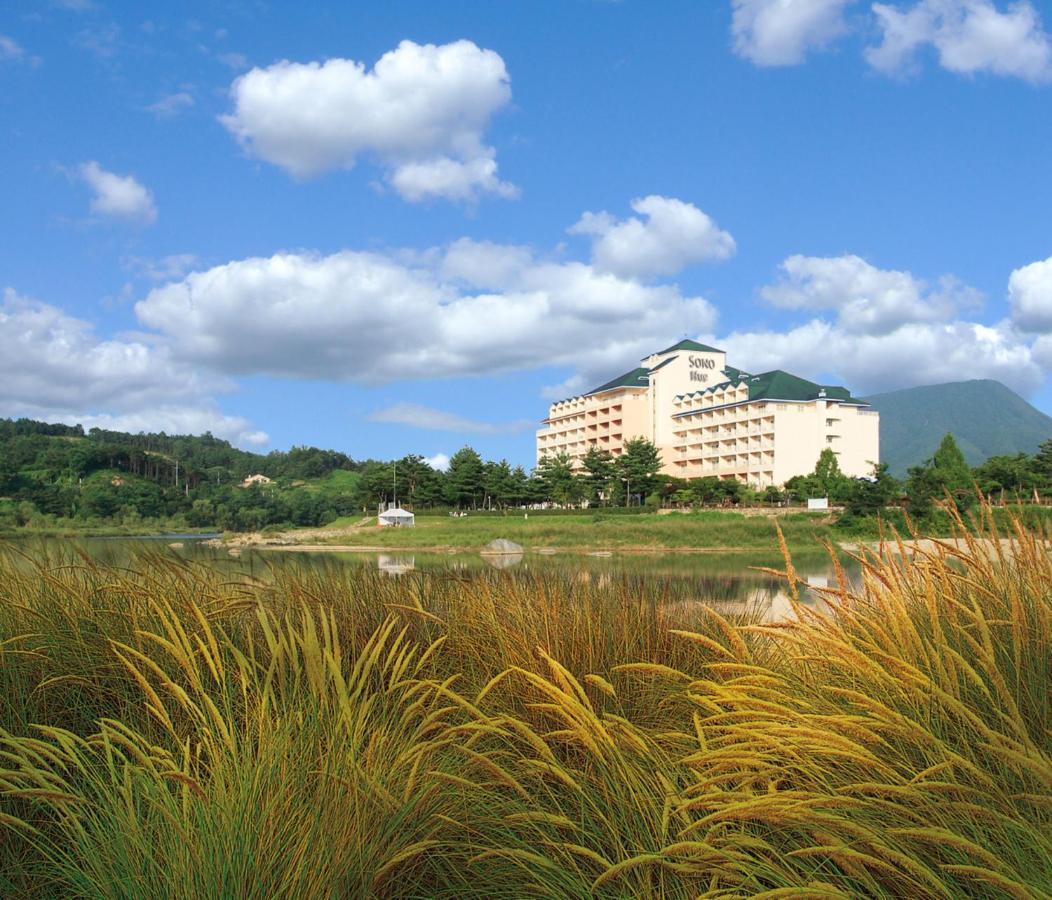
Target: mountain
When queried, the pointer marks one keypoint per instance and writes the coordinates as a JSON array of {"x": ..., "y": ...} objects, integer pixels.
[{"x": 985, "y": 417}]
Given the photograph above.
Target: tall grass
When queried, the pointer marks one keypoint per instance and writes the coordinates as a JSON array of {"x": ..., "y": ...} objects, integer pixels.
[{"x": 168, "y": 730}]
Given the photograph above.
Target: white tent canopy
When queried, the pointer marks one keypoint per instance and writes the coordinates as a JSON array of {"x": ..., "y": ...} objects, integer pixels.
[{"x": 397, "y": 516}]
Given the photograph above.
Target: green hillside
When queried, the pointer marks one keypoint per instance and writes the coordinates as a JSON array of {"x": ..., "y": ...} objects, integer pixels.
[{"x": 987, "y": 419}]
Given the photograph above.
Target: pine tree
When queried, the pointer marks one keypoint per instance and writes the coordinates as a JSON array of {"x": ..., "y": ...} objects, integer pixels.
[
  {"x": 599, "y": 465},
  {"x": 637, "y": 465},
  {"x": 1042, "y": 464},
  {"x": 464, "y": 479},
  {"x": 954, "y": 472},
  {"x": 557, "y": 476}
]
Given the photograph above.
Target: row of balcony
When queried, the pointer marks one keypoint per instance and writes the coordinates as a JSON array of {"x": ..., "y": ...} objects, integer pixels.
[
  {"x": 724, "y": 431},
  {"x": 605, "y": 441},
  {"x": 717, "y": 398},
  {"x": 710, "y": 448}
]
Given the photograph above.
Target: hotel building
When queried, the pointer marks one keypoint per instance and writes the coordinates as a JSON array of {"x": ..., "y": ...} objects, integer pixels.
[{"x": 709, "y": 418}]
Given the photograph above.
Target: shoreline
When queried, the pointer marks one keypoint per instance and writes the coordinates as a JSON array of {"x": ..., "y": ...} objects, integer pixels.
[{"x": 448, "y": 549}]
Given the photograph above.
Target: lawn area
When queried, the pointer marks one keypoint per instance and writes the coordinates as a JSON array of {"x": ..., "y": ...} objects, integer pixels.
[
  {"x": 338, "y": 481},
  {"x": 595, "y": 531}
]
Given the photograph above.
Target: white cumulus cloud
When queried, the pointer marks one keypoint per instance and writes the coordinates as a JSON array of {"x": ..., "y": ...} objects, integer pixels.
[
  {"x": 913, "y": 354},
  {"x": 118, "y": 196},
  {"x": 969, "y": 36},
  {"x": 470, "y": 309},
  {"x": 890, "y": 329},
  {"x": 1030, "y": 294},
  {"x": 53, "y": 367},
  {"x": 782, "y": 32},
  {"x": 439, "y": 461},
  {"x": 421, "y": 112},
  {"x": 867, "y": 300},
  {"x": 673, "y": 235}
]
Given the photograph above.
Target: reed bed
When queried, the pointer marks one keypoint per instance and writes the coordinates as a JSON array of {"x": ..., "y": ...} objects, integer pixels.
[{"x": 167, "y": 729}]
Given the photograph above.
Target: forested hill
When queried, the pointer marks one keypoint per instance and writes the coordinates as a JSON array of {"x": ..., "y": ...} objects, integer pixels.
[
  {"x": 63, "y": 472},
  {"x": 59, "y": 476},
  {"x": 71, "y": 450},
  {"x": 985, "y": 417}
]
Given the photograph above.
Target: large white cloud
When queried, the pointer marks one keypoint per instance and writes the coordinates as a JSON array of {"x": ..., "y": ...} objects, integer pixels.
[
  {"x": 913, "y": 354},
  {"x": 118, "y": 196},
  {"x": 472, "y": 309},
  {"x": 1042, "y": 351},
  {"x": 673, "y": 235},
  {"x": 1030, "y": 293},
  {"x": 53, "y": 367},
  {"x": 890, "y": 330},
  {"x": 969, "y": 36},
  {"x": 421, "y": 112},
  {"x": 867, "y": 300},
  {"x": 781, "y": 32}
]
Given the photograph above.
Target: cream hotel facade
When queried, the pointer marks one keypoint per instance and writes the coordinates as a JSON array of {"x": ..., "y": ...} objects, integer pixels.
[{"x": 711, "y": 419}]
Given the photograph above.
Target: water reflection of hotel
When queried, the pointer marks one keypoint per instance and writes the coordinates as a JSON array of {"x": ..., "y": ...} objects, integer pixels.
[{"x": 709, "y": 418}]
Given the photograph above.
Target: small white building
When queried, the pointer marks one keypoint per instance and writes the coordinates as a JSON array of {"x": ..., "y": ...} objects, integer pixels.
[
  {"x": 255, "y": 479},
  {"x": 396, "y": 517}
]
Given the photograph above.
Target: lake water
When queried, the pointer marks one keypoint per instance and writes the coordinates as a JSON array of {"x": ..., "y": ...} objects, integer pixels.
[{"x": 731, "y": 581}]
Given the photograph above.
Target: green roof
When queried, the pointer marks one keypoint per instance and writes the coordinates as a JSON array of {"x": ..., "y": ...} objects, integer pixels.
[
  {"x": 663, "y": 363},
  {"x": 780, "y": 385},
  {"x": 636, "y": 378},
  {"x": 688, "y": 345}
]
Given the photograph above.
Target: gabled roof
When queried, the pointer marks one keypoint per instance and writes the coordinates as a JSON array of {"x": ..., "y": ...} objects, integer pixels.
[
  {"x": 663, "y": 363},
  {"x": 639, "y": 377},
  {"x": 687, "y": 345},
  {"x": 780, "y": 385}
]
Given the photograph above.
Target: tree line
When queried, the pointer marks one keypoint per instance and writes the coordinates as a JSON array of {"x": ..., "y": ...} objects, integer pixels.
[{"x": 60, "y": 473}]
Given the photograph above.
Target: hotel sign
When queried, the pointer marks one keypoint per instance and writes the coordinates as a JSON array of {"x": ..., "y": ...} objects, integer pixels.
[{"x": 700, "y": 362}]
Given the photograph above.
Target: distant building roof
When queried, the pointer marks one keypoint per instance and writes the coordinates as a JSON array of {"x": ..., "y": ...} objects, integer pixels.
[{"x": 688, "y": 345}]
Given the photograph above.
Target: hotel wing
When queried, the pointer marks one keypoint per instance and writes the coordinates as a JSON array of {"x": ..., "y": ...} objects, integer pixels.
[{"x": 711, "y": 419}]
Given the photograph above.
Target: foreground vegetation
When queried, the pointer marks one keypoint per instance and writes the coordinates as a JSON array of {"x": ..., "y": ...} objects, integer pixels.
[{"x": 168, "y": 730}]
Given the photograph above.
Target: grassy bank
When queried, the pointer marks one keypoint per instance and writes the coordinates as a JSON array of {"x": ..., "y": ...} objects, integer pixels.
[
  {"x": 71, "y": 528},
  {"x": 168, "y": 731},
  {"x": 715, "y": 529}
]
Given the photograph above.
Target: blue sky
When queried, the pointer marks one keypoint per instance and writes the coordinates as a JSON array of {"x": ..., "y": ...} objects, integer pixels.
[{"x": 402, "y": 227}]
